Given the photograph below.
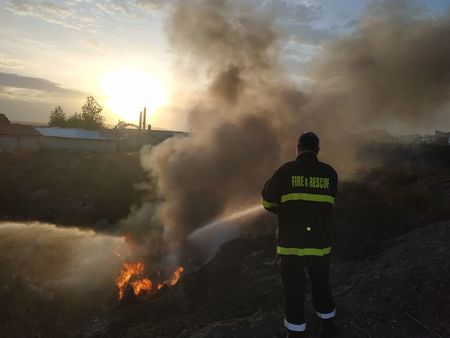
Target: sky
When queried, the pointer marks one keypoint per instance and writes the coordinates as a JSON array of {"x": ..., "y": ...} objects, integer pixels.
[{"x": 59, "y": 52}]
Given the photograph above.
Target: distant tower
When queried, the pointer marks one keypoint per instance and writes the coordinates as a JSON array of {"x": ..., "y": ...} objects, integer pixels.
[
  {"x": 140, "y": 120},
  {"x": 144, "y": 126}
]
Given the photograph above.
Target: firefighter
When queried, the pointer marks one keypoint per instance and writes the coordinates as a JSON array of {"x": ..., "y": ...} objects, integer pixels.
[{"x": 302, "y": 194}]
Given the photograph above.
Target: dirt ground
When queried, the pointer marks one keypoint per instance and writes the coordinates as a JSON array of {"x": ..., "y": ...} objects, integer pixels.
[
  {"x": 69, "y": 188},
  {"x": 237, "y": 294},
  {"x": 390, "y": 269},
  {"x": 400, "y": 291}
]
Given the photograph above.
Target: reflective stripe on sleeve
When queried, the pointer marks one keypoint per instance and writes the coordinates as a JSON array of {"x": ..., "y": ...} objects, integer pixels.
[
  {"x": 297, "y": 196},
  {"x": 330, "y": 315},
  {"x": 294, "y": 327},
  {"x": 303, "y": 251},
  {"x": 269, "y": 204}
]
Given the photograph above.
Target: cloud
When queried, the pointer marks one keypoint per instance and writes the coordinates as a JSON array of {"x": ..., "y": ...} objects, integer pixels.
[
  {"x": 25, "y": 95},
  {"x": 45, "y": 10},
  {"x": 398, "y": 8},
  {"x": 94, "y": 43},
  {"x": 15, "y": 86},
  {"x": 74, "y": 15},
  {"x": 152, "y": 4},
  {"x": 297, "y": 20},
  {"x": 24, "y": 7},
  {"x": 303, "y": 38},
  {"x": 24, "y": 98},
  {"x": 121, "y": 6},
  {"x": 298, "y": 58},
  {"x": 9, "y": 63},
  {"x": 308, "y": 34},
  {"x": 114, "y": 6},
  {"x": 293, "y": 11}
]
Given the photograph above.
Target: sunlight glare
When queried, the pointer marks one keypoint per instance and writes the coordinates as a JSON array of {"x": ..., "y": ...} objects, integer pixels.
[{"x": 129, "y": 91}]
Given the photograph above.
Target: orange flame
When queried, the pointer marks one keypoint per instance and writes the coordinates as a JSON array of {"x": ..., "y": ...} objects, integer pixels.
[
  {"x": 131, "y": 274},
  {"x": 175, "y": 276},
  {"x": 129, "y": 270},
  {"x": 141, "y": 285}
]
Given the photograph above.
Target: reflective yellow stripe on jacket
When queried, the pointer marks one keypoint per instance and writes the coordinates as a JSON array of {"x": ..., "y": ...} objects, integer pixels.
[
  {"x": 303, "y": 252},
  {"x": 269, "y": 204},
  {"x": 298, "y": 196}
]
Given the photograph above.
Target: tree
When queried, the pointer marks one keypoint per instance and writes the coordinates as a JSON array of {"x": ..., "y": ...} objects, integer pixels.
[
  {"x": 91, "y": 114},
  {"x": 57, "y": 118},
  {"x": 75, "y": 121},
  {"x": 90, "y": 118}
]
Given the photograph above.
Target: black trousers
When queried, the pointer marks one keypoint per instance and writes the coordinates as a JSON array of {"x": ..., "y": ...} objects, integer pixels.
[{"x": 294, "y": 282}]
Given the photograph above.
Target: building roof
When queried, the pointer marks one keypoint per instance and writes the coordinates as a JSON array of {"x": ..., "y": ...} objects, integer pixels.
[
  {"x": 71, "y": 133},
  {"x": 164, "y": 134},
  {"x": 438, "y": 133},
  {"x": 17, "y": 129}
]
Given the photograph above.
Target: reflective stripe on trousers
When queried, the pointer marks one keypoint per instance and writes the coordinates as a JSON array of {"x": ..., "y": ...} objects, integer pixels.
[
  {"x": 294, "y": 282},
  {"x": 294, "y": 327},
  {"x": 329, "y": 315}
]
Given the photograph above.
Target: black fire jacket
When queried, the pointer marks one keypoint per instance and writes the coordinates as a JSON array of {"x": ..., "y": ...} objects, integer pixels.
[{"x": 302, "y": 194}]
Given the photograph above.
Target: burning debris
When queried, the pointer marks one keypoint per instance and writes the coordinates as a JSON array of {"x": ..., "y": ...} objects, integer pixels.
[
  {"x": 175, "y": 277},
  {"x": 132, "y": 274}
]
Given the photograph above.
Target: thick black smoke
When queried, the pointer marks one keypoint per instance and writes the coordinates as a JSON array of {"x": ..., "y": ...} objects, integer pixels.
[{"x": 394, "y": 69}]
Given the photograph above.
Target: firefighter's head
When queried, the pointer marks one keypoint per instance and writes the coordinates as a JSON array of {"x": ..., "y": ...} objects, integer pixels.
[{"x": 308, "y": 142}]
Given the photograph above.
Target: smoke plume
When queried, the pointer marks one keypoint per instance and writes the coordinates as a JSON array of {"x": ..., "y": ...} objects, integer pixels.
[
  {"x": 395, "y": 68},
  {"x": 392, "y": 70},
  {"x": 55, "y": 279},
  {"x": 48, "y": 259}
]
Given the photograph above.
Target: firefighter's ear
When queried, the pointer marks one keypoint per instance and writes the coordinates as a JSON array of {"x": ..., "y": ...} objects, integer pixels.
[{"x": 317, "y": 151}]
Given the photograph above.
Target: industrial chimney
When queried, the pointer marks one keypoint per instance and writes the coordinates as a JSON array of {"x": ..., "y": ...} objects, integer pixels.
[{"x": 144, "y": 119}]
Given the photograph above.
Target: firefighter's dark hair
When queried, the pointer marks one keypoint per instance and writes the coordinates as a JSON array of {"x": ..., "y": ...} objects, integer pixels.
[{"x": 308, "y": 141}]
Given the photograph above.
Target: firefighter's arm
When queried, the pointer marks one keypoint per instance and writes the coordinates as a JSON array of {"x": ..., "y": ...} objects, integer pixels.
[{"x": 271, "y": 193}]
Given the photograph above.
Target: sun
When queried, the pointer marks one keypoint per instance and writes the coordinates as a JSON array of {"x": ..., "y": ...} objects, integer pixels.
[{"x": 128, "y": 91}]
